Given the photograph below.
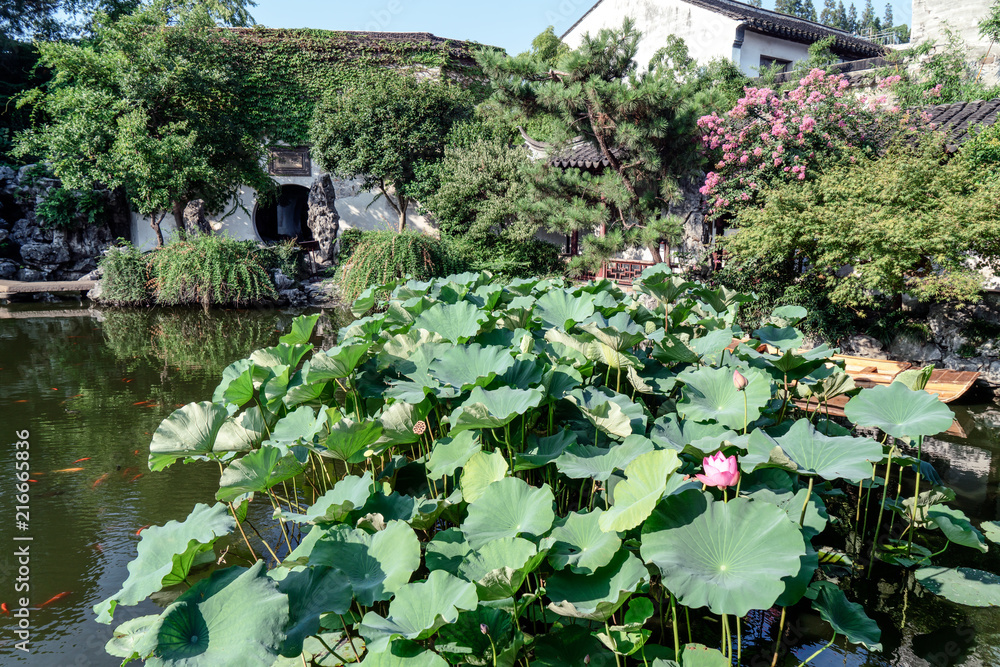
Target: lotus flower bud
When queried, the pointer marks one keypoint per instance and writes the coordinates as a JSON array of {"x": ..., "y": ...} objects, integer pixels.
[
  {"x": 586, "y": 659},
  {"x": 483, "y": 629},
  {"x": 739, "y": 381}
]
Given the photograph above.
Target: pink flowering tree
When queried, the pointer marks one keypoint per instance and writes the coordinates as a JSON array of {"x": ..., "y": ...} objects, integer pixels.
[{"x": 772, "y": 137}]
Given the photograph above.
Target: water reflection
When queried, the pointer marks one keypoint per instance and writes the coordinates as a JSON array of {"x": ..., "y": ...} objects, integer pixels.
[{"x": 91, "y": 387}]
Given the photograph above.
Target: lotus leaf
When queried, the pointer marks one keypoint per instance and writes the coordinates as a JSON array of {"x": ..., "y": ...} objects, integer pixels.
[
  {"x": 237, "y": 384},
  {"x": 337, "y": 362},
  {"x": 165, "y": 555},
  {"x": 542, "y": 451},
  {"x": 783, "y": 338},
  {"x": 464, "y": 640},
  {"x": 311, "y": 591},
  {"x": 454, "y": 322},
  {"x": 847, "y": 618},
  {"x": 710, "y": 395},
  {"x": 787, "y": 316},
  {"x": 586, "y": 461},
  {"x": 493, "y": 408},
  {"x": 481, "y": 470},
  {"x": 257, "y": 471},
  {"x": 398, "y": 421},
  {"x": 235, "y": 616},
  {"x": 964, "y": 585},
  {"x": 468, "y": 366},
  {"x": 840, "y": 457},
  {"x": 404, "y": 653},
  {"x": 282, "y": 354},
  {"x": 560, "y": 309},
  {"x": 991, "y": 529},
  {"x": 302, "y": 329},
  {"x": 559, "y": 381},
  {"x": 419, "y": 609},
  {"x": 188, "y": 431},
  {"x": 730, "y": 557},
  {"x": 526, "y": 372},
  {"x": 571, "y": 645},
  {"x": 509, "y": 508},
  {"x": 899, "y": 411},
  {"x": 500, "y": 567},
  {"x": 635, "y": 498},
  {"x": 375, "y": 565},
  {"x": 597, "y": 595},
  {"x": 127, "y": 636},
  {"x": 816, "y": 516},
  {"x": 242, "y": 433},
  {"x": 349, "y": 440},
  {"x": 579, "y": 542},
  {"x": 610, "y": 412},
  {"x": 348, "y": 494},
  {"x": 451, "y": 453},
  {"x": 299, "y": 425},
  {"x": 956, "y": 527}
]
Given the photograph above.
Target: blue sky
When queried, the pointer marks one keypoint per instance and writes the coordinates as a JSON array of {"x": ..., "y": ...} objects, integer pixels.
[{"x": 511, "y": 24}]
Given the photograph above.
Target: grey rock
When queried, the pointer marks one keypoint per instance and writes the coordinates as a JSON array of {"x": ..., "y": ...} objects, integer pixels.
[
  {"x": 293, "y": 297},
  {"x": 281, "y": 281},
  {"x": 196, "y": 218},
  {"x": 323, "y": 220},
  {"x": 30, "y": 275},
  {"x": 93, "y": 275},
  {"x": 36, "y": 254},
  {"x": 94, "y": 294},
  {"x": 8, "y": 269},
  {"x": 7, "y": 174},
  {"x": 3, "y": 235},
  {"x": 864, "y": 346},
  {"x": 908, "y": 348},
  {"x": 957, "y": 363}
]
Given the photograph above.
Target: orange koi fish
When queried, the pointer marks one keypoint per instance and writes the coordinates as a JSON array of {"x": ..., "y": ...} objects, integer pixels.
[
  {"x": 69, "y": 470},
  {"x": 100, "y": 480},
  {"x": 54, "y": 598},
  {"x": 135, "y": 478},
  {"x": 4, "y": 609},
  {"x": 85, "y": 458},
  {"x": 142, "y": 529}
]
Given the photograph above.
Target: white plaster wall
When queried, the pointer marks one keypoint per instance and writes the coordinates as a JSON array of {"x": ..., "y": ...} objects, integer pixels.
[
  {"x": 708, "y": 35},
  {"x": 755, "y": 45},
  {"x": 932, "y": 17}
]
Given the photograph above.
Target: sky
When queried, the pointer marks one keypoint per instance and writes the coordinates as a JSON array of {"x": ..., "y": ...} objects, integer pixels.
[{"x": 510, "y": 24}]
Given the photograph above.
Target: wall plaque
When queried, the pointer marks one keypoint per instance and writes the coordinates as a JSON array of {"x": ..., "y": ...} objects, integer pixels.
[{"x": 289, "y": 162}]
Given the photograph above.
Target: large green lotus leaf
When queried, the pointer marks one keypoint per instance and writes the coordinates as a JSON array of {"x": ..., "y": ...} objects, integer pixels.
[
  {"x": 671, "y": 348},
  {"x": 237, "y": 384},
  {"x": 671, "y": 432},
  {"x": 562, "y": 348},
  {"x": 451, "y": 453},
  {"x": 899, "y": 411},
  {"x": 559, "y": 381},
  {"x": 454, "y": 322},
  {"x": 419, "y": 609},
  {"x": 619, "y": 332},
  {"x": 376, "y": 565},
  {"x": 612, "y": 413},
  {"x": 730, "y": 557},
  {"x": 301, "y": 391},
  {"x": 481, "y": 470},
  {"x": 663, "y": 287},
  {"x": 337, "y": 362},
  {"x": 348, "y": 494},
  {"x": 637, "y": 495},
  {"x": 839, "y": 457},
  {"x": 964, "y": 585},
  {"x": 128, "y": 635},
  {"x": 542, "y": 451},
  {"x": 464, "y": 641},
  {"x": 242, "y": 433},
  {"x": 281, "y": 354},
  {"x": 165, "y": 555},
  {"x": 398, "y": 421},
  {"x": 404, "y": 653},
  {"x": 587, "y": 461},
  {"x": 710, "y": 395},
  {"x": 402, "y": 346},
  {"x": 275, "y": 387},
  {"x": 302, "y": 329},
  {"x": 257, "y": 471},
  {"x": 234, "y": 617},
  {"x": 349, "y": 440},
  {"x": 579, "y": 542},
  {"x": 311, "y": 591},
  {"x": 188, "y": 431},
  {"x": 816, "y": 516},
  {"x": 847, "y": 618},
  {"x": 500, "y": 567},
  {"x": 300, "y": 425},
  {"x": 508, "y": 508},
  {"x": 652, "y": 378},
  {"x": 446, "y": 550},
  {"x": 367, "y": 328},
  {"x": 597, "y": 595},
  {"x": 571, "y": 645},
  {"x": 783, "y": 338},
  {"x": 561, "y": 309},
  {"x": 468, "y": 366},
  {"x": 403, "y": 313},
  {"x": 526, "y": 372},
  {"x": 493, "y": 408},
  {"x": 787, "y": 316},
  {"x": 991, "y": 529},
  {"x": 956, "y": 527},
  {"x": 696, "y": 655},
  {"x": 797, "y": 585}
]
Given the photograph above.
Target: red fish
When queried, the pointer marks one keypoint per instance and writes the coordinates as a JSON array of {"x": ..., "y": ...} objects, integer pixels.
[
  {"x": 140, "y": 403},
  {"x": 32, "y": 480},
  {"x": 136, "y": 477},
  {"x": 97, "y": 547},
  {"x": 69, "y": 470},
  {"x": 23, "y": 400},
  {"x": 54, "y": 598},
  {"x": 135, "y": 453},
  {"x": 85, "y": 458},
  {"x": 128, "y": 471},
  {"x": 4, "y": 609},
  {"x": 77, "y": 396},
  {"x": 100, "y": 480},
  {"x": 142, "y": 529},
  {"x": 55, "y": 388}
]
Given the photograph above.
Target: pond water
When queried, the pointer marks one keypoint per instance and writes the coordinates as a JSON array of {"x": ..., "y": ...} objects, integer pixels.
[{"x": 90, "y": 387}]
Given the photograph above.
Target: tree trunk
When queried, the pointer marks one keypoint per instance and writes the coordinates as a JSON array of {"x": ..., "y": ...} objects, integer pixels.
[
  {"x": 179, "y": 217},
  {"x": 654, "y": 250},
  {"x": 154, "y": 222},
  {"x": 402, "y": 205}
]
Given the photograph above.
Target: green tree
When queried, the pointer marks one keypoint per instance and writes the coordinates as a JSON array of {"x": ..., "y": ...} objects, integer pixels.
[
  {"x": 643, "y": 124},
  {"x": 547, "y": 47},
  {"x": 829, "y": 14},
  {"x": 386, "y": 129},
  {"x": 158, "y": 110},
  {"x": 887, "y": 18},
  {"x": 869, "y": 22},
  {"x": 842, "y": 21},
  {"x": 852, "y": 19},
  {"x": 808, "y": 10}
]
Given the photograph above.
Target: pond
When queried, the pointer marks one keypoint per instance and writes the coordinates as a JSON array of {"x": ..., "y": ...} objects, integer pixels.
[{"x": 91, "y": 387}]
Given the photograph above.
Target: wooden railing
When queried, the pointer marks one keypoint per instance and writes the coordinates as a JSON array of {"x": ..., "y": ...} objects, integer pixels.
[{"x": 621, "y": 271}]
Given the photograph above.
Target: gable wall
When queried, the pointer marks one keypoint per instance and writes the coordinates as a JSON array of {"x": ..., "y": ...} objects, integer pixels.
[{"x": 755, "y": 45}]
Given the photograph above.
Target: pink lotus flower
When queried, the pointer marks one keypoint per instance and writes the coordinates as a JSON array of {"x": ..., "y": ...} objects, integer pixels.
[
  {"x": 720, "y": 471},
  {"x": 739, "y": 381}
]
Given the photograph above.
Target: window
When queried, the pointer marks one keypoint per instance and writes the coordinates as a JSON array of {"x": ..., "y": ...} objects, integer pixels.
[{"x": 781, "y": 64}]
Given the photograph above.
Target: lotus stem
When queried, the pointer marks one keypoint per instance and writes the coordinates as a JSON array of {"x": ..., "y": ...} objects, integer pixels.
[
  {"x": 350, "y": 640},
  {"x": 746, "y": 423},
  {"x": 607, "y": 629},
  {"x": 727, "y": 642},
  {"x": 777, "y": 641},
  {"x": 814, "y": 655},
  {"x": 805, "y": 503},
  {"x": 239, "y": 525},
  {"x": 881, "y": 507},
  {"x": 332, "y": 652},
  {"x": 673, "y": 616},
  {"x": 916, "y": 497},
  {"x": 739, "y": 642},
  {"x": 687, "y": 619},
  {"x": 266, "y": 545}
]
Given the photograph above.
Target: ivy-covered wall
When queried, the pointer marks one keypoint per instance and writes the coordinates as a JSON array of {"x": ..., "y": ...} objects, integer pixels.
[{"x": 288, "y": 71}]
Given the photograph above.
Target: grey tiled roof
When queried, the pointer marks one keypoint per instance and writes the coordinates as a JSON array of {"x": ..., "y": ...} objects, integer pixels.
[
  {"x": 757, "y": 19},
  {"x": 957, "y": 119},
  {"x": 579, "y": 153}
]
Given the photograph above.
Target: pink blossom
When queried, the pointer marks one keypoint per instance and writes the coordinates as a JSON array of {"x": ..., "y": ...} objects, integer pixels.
[{"x": 720, "y": 471}]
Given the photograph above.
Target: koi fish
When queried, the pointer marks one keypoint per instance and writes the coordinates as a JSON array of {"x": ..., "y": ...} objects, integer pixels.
[
  {"x": 100, "y": 480},
  {"x": 77, "y": 396},
  {"x": 54, "y": 598},
  {"x": 69, "y": 470},
  {"x": 140, "y": 403},
  {"x": 85, "y": 458},
  {"x": 135, "y": 478},
  {"x": 142, "y": 529},
  {"x": 135, "y": 453},
  {"x": 96, "y": 546},
  {"x": 4, "y": 608},
  {"x": 54, "y": 388},
  {"x": 33, "y": 480},
  {"x": 127, "y": 471},
  {"x": 23, "y": 400}
]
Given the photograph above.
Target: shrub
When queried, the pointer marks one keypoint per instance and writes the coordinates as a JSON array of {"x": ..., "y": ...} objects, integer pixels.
[
  {"x": 63, "y": 208},
  {"x": 285, "y": 256},
  {"x": 127, "y": 276},
  {"x": 383, "y": 256},
  {"x": 349, "y": 240},
  {"x": 513, "y": 259}
]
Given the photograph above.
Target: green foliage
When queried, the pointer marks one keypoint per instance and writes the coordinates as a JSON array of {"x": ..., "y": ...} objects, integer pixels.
[
  {"x": 285, "y": 256},
  {"x": 67, "y": 209},
  {"x": 385, "y": 129},
  {"x": 982, "y": 152},
  {"x": 381, "y": 257},
  {"x": 126, "y": 276},
  {"x": 509, "y": 258},
  {"x": 905, "y": 223},
  {"x": 450, "y": 449}
]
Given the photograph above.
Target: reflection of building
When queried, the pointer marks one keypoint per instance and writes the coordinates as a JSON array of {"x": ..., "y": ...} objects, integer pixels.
[{"x": 751, "y": 37}]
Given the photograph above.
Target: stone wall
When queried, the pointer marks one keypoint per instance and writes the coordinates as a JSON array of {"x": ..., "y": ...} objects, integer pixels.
[
  {"x": 31, "y": 251},
  {"x": 931, "y": 18}
]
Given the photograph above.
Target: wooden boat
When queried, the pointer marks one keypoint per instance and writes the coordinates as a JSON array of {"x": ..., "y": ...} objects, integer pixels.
[
  {"x": 835, "y": 408},
  {"x": 947, "y": 384}
]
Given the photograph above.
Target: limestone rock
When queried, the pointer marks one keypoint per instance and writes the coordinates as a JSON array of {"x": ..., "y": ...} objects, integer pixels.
[
  {"x": 324, "y": 221},
  {"x": 281, "y": 281},
  {"x": 30, "y": 275},
  {"x": 36, "y": 254},
  {"x": 908, "y": 348},
  {"x": 195, "y": 217},
  {"x": 864, "y": 346},
  {"x": 8, "y": 269},
  {"x": 96, "y": 292}
]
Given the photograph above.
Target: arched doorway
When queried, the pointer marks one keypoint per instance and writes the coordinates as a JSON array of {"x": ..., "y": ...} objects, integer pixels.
[{"x": 285, "y": 217}]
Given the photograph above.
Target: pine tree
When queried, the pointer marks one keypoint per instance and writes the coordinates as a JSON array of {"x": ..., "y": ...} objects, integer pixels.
[
  {"x": 887, "y": 21},
  {"x": 809, "y": 10},
  {"x": 868, "y": 22},
  {"x": 790, "y": 7},
  {"x": 852, "y": 19},
  {"x": 829, "y": 14},
  {"x": 755, "y": 3}
]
